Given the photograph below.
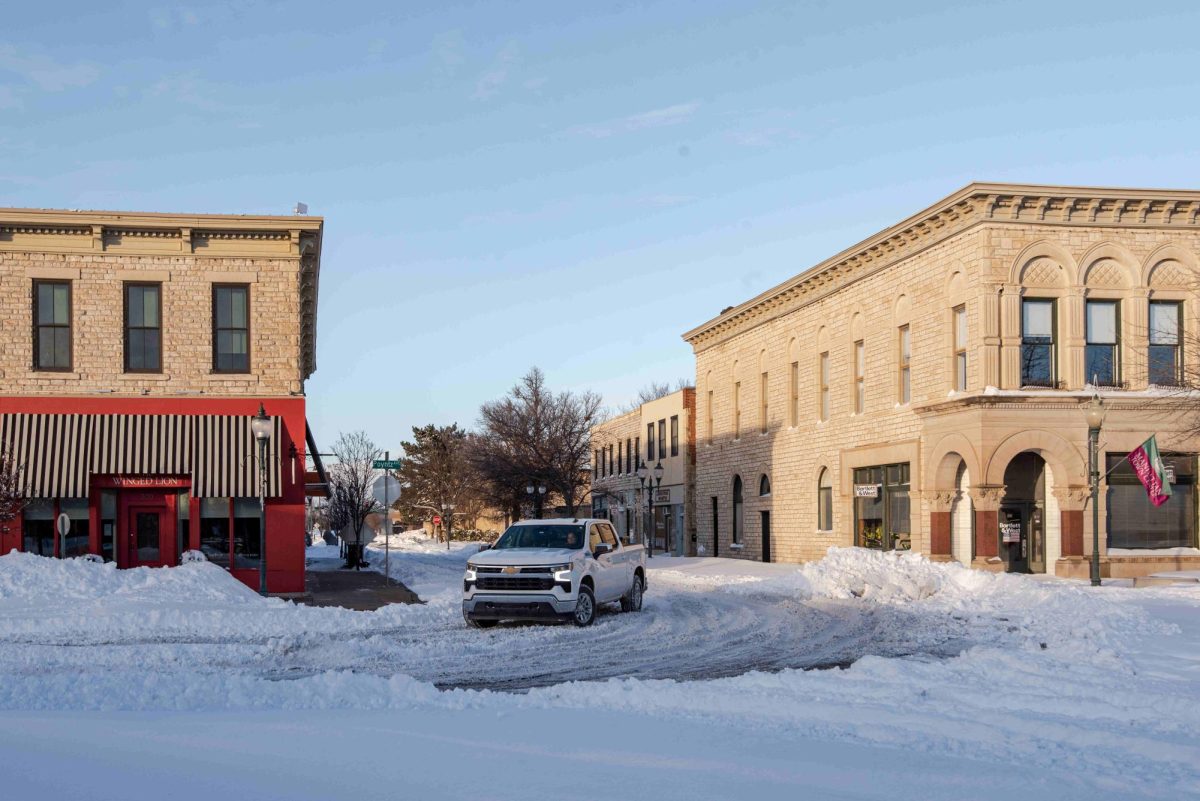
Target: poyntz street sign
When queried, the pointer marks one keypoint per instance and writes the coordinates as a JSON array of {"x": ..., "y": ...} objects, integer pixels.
[{"x": 386, "y": 464}]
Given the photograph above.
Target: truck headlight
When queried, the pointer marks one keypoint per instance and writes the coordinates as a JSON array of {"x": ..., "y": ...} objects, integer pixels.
[
  {"x": 470, "y": 572},
  {"x": 562, "y": 572}
]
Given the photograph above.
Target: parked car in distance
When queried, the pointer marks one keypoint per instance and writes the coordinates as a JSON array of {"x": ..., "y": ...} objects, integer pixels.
[{"x": 553, "y": 570}]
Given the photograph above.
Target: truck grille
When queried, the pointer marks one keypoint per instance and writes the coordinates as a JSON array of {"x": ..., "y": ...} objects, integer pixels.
[{"x": 514, "y": 583}]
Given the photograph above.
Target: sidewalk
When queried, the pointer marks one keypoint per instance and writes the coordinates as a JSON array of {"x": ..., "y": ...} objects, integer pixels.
[{"x": 364, "y": 590}]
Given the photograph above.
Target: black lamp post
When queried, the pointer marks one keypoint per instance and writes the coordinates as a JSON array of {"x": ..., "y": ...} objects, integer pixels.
[
  {"x": 642, "y": 473},
  {"x": 260, "y": 426},
  {"x": 537, "y": 495},
  {"x": 1095, "y": 419},
  {"x": 658, "y": 476}
]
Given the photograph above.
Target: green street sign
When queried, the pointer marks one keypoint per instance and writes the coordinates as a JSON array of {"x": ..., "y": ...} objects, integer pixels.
[{"x": 386, "y": 464}]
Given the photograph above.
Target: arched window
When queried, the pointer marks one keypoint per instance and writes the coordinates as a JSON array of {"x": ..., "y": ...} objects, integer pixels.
[
  {"x": 738, "y": 525},
  {"x": 764, "y": 485},
  {"x": 824, "y": 501}
]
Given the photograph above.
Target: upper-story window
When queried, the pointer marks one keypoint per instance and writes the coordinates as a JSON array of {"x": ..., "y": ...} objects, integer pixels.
[
  {"x": 52, "y": 325},
  {"x": 960, "y": 348},
  {"x": 1166, "y": 366},
  {"x": 1102, "y": 355},
  {"x": 823, "y": 387},
  {"x": 904, "y": 343},
  {"x": 231, "y": 328},
  {"x": 611, "y": 466},
  {"x": 143, "y": 328},
  {"x": 737, "y": 409},
  {"x": 1038, "y": 368},
  {"x": 650, "y": 455},
  {"x": 794, "y": 400},
  {"x": 762, "y": 403},
  {"x": 662, "y": 439},
  {"x": 860, "y": 382},
  {"x": 674, "y": 435},
  {"x": 708, "y": 413}
]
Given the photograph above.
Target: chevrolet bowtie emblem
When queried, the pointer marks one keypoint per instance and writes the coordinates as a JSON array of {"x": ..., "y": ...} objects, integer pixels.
[{"x": 510, "y": 570}]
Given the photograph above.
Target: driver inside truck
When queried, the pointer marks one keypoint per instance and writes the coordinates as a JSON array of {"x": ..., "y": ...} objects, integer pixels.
[{"x": 572, "y": 540}]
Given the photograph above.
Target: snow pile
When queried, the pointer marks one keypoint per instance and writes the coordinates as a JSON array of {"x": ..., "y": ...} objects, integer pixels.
[{"x": 47, "y": 584}]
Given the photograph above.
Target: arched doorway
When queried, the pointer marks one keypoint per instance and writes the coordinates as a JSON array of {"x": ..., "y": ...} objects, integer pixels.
[
  {"x": 1022, "y": 516},
  {"x": 764, "y": 515}
]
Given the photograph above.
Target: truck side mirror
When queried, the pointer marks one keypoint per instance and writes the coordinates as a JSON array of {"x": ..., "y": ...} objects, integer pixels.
[{"x": 601, "y": 549}]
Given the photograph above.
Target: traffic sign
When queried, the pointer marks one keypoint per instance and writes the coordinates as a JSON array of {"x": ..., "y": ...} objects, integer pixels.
[
  {"x": 386, "y": 464},
  {"x": 437, "y": 520},
  {"x": 64, "y": 525}
]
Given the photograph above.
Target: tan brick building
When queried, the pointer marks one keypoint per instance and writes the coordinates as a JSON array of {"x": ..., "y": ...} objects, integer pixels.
[
  {"x": 659, "y": 432},
  {"x": 927, "y": 387},
  {"x": 138, "y": 347}
]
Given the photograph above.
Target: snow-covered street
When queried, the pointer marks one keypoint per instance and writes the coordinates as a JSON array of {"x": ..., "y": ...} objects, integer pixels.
[{"x": 952, "y": 684}]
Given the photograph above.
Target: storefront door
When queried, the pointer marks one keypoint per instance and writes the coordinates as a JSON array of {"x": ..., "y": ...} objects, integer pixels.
[
  {"x": 148, "y": 530},
  {"x": 1022, "y": 538}
]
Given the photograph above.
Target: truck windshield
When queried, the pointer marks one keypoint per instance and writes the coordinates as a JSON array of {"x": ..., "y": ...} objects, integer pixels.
[{"x": 535, "y": 536}]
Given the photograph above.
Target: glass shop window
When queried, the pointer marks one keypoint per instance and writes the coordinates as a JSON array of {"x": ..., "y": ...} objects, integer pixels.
[{"x": 214, "y": 530}]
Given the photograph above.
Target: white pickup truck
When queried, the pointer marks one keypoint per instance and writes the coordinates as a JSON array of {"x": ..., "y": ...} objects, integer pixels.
[{"x": 553, "y": 570}]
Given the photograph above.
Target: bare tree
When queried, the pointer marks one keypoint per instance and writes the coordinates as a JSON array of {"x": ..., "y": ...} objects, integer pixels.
[
  {"x": 351, "y": 481},
  {"x": 534, "y": 435},
  {"x": 13, "y": 495}
]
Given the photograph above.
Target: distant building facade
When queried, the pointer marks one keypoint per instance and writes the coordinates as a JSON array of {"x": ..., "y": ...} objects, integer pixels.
[
  {"x": 926, "y": 389},
  {"x": 662, "y": 432},
  {"x": 139, "y": 345}
]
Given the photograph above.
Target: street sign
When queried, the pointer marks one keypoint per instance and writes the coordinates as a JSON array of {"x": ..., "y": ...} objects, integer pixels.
[
  {"x": 64, "y": 525},
  {"x": 437, "y": 520},
  {"x": 386, "y": 464}
]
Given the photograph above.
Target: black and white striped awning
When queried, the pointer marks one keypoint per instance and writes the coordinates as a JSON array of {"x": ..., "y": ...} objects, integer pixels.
[{"x": 59, "y": 453}]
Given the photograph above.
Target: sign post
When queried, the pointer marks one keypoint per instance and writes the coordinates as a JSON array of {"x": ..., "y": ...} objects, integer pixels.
[
  {"x": 63, "y": 524},
  {"x": 386, "y": 463}
]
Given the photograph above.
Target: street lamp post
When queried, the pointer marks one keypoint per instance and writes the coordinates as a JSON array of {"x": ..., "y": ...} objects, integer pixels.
[
  {"x": 537, "y": 496},
  {"x": 642, "y": 472},
  {"x": 1095, "y": 419},
  {"x": 448, "y": 513},
  {"x": 260, "y": 426}
]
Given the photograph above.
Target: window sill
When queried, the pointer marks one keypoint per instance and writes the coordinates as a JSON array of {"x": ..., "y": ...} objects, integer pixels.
[
  {"x": 57, "y": 375},
  {"x": 234, "y": 376},
  {"x": 736, "y": 546},
  {"x": 144, "y": 377}
]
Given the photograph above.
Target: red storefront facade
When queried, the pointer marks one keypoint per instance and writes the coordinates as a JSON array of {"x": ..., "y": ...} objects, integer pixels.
[
  {"x": 139, "y": 516},
  {"x": 125, "y": 404}
]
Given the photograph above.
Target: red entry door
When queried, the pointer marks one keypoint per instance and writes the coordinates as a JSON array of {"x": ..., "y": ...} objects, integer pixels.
[{"x": 148, "y": 531}]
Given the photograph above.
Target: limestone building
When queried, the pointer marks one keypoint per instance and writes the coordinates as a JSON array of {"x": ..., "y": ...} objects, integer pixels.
[
  {"x": 139, "y": 346},
  {"x": 659, "y": 432},
  {"x": 927, "y": 388}
]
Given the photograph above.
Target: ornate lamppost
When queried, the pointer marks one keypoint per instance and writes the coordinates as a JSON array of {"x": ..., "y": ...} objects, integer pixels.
[
  {"x": 1095, "y": 419},
  {"x": 537, "y": 495},
  {"x": 260, "y": 426}
]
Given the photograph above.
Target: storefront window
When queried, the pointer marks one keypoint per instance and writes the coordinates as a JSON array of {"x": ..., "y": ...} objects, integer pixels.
[
  {"x": 39, "y": 527},
  {"x": 214, "y": 530},
  {"x": 1134, "y": 522},
  {"x": 77, "y": 538},
  {"x": 108, "y": 524},
  {"x": 882, "y": 515},
  {"x": 246, "y": 550}
]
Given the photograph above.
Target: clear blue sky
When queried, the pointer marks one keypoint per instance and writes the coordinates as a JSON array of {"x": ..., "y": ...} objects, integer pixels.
[{"x": 573, "y": 185}]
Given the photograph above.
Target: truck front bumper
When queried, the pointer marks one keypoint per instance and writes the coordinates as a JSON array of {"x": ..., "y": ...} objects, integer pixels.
[{"x": 496, "y": 606}]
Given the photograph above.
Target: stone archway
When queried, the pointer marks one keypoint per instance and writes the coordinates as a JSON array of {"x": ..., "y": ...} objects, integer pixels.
[
  {"x": 949, "y": 459},
  {"x": 1064, "y": 491}
]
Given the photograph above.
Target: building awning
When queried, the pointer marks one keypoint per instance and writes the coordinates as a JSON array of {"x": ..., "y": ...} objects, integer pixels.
[
  {"x": 316, "y": 482},
  {"x": 59, "y": 453}
]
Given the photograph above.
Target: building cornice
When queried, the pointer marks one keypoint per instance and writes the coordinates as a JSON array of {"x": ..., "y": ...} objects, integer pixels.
[{"x": 974, "y": 204}]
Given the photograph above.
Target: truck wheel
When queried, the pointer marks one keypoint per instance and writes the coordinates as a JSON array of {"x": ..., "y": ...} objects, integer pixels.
[
  {"x": 632, "y": 602},
  {"x": 479, "y": 624},
  {"x": 585, "y": 608}
]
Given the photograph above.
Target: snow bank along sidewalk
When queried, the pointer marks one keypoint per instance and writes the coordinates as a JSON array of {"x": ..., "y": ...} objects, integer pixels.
[{"x": 1103, "y": 684}]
